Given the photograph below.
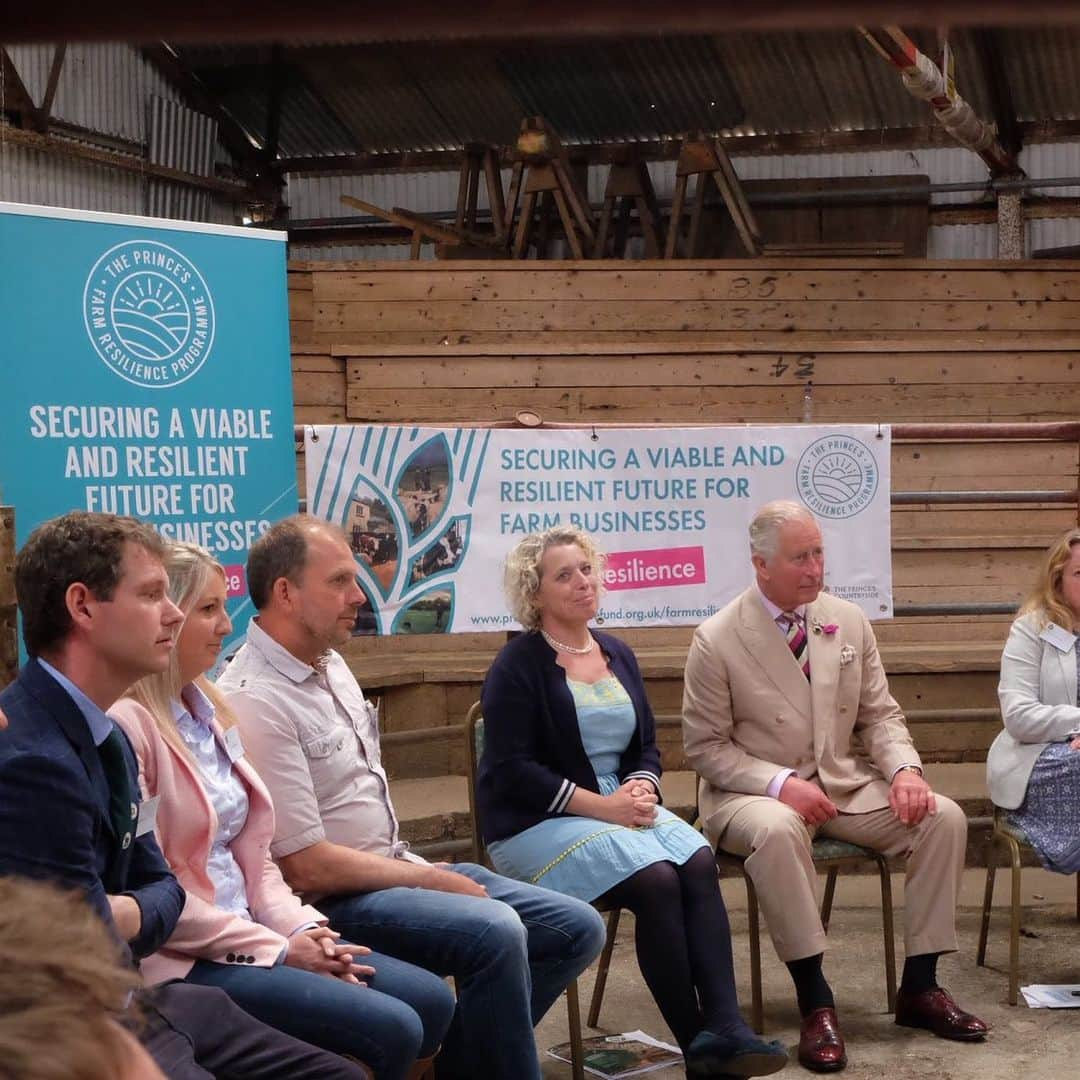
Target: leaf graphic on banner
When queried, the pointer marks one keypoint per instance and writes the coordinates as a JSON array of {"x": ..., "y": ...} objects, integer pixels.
[
  {"x": 431, "y": 612},
  {"x": 374, "y": 531},
  {"x": 406, "y": 524},
  {"x": 424, "y": 487}
]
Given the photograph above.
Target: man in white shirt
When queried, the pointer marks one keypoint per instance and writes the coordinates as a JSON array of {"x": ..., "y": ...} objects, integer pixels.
[
  {"x": 788, "y": 721},
  {"x": 511, "y": 947}
]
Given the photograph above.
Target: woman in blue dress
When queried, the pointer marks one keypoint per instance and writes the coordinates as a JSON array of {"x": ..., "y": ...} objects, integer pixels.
[
  {"x": 568, "y": 796},
  {"x": 1033, "y": 767}
]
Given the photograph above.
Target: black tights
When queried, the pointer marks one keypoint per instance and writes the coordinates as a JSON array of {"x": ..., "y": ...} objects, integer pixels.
[{"x": 683, "y": 945}]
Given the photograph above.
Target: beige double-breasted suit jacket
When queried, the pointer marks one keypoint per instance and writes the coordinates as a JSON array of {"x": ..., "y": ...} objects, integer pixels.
[{"x": 748, "y": 710}]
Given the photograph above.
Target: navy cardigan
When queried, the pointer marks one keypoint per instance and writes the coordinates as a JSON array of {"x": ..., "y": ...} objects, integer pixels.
[{"x": 533, "y": 758}]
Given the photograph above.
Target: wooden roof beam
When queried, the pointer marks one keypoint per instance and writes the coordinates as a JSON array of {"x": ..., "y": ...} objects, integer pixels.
[
  {"x": 276, "y": 20},
  {"x": 988, "y": 46},
  {"x": 17, "y": 98}
]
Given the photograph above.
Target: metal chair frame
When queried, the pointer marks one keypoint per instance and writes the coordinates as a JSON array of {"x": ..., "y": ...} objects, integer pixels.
[
  {"x": 832, "y": 864},
  {"x": 1012, "y": 840},
  {"x": 474, "y": 724}
]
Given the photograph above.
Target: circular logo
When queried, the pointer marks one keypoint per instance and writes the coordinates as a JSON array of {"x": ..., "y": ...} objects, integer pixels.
[
  {"x": 148, "y": 313},
  {"x": 837, "y": 476}
]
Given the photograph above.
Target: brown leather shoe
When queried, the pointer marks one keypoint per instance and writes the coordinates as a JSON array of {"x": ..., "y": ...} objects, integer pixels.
[
  {"x": 821, "y": 1047},
  {"x": 934, "y": 1010}
]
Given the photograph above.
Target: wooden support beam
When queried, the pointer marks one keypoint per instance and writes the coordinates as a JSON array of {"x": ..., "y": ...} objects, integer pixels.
[
  {"x": 50, "y": 87},
  {"x": 433, "y": 230},
  {"x": 1002, "y": 107},
  {"x": 276, "y": 20},
  {"x": 50, "y": 144},
  {"x": 17, "y": 98}
]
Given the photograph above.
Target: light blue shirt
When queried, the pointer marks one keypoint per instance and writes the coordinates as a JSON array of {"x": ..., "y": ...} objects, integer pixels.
[
  {"x": 99, "y": 723},
  {"x": 227, "y": 795}
]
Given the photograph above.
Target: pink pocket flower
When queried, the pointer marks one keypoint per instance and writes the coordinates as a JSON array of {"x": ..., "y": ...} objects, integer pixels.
[{"x": 828, "y": 629}]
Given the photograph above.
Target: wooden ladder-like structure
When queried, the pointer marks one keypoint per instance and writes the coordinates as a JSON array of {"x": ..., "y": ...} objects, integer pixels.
[{"x": 705, "y": 158}]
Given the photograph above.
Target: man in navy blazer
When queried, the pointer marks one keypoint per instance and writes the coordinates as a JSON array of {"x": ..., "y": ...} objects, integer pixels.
[{"x": 93, "y": 594}]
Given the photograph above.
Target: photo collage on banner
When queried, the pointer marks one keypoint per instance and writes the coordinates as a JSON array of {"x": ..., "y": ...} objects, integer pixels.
[{"x": 431, "y": 513}]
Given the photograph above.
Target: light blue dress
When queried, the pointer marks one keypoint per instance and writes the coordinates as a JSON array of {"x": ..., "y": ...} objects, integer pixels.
[{"x": 585, "y": 857}]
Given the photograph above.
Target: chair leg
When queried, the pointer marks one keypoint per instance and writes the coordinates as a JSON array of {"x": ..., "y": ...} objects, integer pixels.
[
  {"x": 573, "y": 1015},
  {"x": 1014, "y": 924},
  {"x": 757, "y": 1010},
  {"x": 827, "y": 898},
  {"x": 602, "y": 970},
  {"x": 988, "y": 902},
  {"x": 888, "y": 932}
]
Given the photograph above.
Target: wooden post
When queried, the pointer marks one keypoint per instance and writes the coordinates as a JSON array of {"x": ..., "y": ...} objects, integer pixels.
[{"x": 9, "y": 641}]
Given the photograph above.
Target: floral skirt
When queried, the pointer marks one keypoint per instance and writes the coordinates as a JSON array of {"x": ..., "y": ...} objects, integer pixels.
[{"x": 1050, "y": 813}]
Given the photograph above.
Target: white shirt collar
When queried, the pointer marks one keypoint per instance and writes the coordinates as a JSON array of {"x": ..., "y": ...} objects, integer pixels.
[
  {"x": 277, "y": 655},
  {"x": 778, "y": 612}
]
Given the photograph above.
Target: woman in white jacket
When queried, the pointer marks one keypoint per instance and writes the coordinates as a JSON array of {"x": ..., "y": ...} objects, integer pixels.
[{"x": 1033, "y": 768}]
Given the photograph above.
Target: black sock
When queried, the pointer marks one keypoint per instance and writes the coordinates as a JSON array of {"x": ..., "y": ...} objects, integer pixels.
[
  {"x": 811, "y": 989},
  {"x": 920, "y": 973}
]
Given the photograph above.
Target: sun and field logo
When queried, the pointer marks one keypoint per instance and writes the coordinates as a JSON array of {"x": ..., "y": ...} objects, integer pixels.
[
  {"x": 149, "y": 313},
  {"x": 837, "y": 476}
]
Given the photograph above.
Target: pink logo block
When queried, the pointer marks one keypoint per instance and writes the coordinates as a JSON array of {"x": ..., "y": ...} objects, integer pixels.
[
  {"x": 665, "y": 567},
  {"x": 236, "y": 580}
]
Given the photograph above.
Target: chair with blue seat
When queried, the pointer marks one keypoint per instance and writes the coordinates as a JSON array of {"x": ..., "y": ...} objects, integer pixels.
[
  {"x": 1014, "y": 842},
  {"x": 474, "y": 747},
  {"x": 832, "y": 856}
]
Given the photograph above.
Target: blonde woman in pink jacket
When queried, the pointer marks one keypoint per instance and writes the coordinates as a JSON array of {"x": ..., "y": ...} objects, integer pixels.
[{"x": 242, "y": 928}]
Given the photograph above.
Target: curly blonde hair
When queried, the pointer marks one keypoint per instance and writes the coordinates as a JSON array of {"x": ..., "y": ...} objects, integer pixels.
[
  {"x": 521, "y": 578},
  {"x": 1046, "y": 600}
]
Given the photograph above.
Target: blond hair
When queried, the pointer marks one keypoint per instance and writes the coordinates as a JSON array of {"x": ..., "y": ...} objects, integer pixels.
[
  {"x": 59, "y": 1007},
  {"x": 521, "y": 578},
  {"x": 1046, "y": 601},
  {"x": 190, "y": 569}
]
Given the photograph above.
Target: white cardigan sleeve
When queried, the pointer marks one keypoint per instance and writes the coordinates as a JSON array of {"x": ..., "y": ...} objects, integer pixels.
[{"x": 1029, "y": 719}]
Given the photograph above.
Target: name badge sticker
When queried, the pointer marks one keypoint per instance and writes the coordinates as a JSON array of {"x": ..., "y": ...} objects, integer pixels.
[
  {"x": 147, "y": 815},
  {"x": 1060, "y": 638},
  {"x": 233, "y": 746}
]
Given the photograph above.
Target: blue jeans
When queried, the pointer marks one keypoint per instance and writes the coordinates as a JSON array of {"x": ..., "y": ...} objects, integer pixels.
[
  {"x": 510, "y": 956},
  {"x": 402, "y": 1014}
]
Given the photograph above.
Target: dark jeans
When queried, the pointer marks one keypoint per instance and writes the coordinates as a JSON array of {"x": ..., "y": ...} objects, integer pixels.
[
  {"x": 510, "y": 955},
  {"x": 197, "y": 1033},
  {"x": 402, "y": 1013}
]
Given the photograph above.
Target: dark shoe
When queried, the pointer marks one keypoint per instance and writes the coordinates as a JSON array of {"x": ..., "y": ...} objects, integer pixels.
[
  {"x": 934, "y": 1010},
  {"x": 710, "y": 1054},
  {"x": 821, "y": 1046}
]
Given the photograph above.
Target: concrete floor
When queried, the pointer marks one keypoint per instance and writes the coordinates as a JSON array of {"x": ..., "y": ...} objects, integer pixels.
[{"x": 1025, "y": 1044}]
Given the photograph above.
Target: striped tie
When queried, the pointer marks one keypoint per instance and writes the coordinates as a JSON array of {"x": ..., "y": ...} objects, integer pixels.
[{"x": 796, "y": 639}]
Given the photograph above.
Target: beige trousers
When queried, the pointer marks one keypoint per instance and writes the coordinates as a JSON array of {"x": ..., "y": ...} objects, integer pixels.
[{"x": 776, "y": 842}]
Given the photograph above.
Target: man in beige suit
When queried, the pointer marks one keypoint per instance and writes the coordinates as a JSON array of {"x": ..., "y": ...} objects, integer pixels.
[{"x": 788, "y": 720}]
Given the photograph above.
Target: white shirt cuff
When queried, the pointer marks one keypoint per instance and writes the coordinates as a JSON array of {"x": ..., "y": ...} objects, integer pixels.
[
  {"x": 777, "y": 782},
  {"x": 906, "y": 765}
]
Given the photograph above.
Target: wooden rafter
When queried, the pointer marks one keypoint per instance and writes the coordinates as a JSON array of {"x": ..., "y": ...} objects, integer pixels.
[
  {"x": 275, "y": 20},
  {"x": 17, "y": 98},
  {"x": 988, "y": 46}
]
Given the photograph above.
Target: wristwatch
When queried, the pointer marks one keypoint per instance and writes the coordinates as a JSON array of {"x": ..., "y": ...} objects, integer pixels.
[{"x": 910, "y": 768}]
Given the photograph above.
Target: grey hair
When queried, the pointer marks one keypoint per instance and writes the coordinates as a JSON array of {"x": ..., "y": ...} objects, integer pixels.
[
  {"x": 521, "y": 578},
  {"x": 769, "y": 520}
]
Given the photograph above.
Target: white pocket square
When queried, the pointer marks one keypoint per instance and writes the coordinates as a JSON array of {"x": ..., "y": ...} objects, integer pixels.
[{"x": 847, "y": 654}]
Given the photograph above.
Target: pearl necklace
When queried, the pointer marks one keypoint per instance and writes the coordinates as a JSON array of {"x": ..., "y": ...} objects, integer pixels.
[{"x": 572, "y": 649}]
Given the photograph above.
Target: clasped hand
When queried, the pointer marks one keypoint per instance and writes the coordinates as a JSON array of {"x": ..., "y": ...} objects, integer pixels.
[
  {"x": 318, "y": 950},
  {"x": 633, "y": 804}
]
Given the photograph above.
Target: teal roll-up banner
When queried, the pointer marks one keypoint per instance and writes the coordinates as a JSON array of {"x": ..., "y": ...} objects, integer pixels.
[{"x": 145, "y": 370}]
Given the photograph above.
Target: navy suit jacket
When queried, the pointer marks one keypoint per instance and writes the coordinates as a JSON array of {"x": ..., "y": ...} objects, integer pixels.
[{"x": 54, "y": 811}]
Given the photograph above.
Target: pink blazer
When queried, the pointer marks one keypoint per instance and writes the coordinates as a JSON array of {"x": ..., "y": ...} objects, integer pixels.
[{"x": 185, "y": 827}]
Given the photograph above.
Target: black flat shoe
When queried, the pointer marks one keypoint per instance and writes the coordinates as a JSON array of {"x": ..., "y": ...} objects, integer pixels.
[{"x": 712, "y": 1055}]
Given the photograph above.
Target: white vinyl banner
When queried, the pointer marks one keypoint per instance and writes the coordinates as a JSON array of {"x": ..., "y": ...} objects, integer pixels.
[{"x": 431, "y": 513}]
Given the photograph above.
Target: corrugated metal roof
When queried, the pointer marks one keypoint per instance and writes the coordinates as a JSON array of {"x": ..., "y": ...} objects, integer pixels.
[{"x": 420, "y": 96}]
